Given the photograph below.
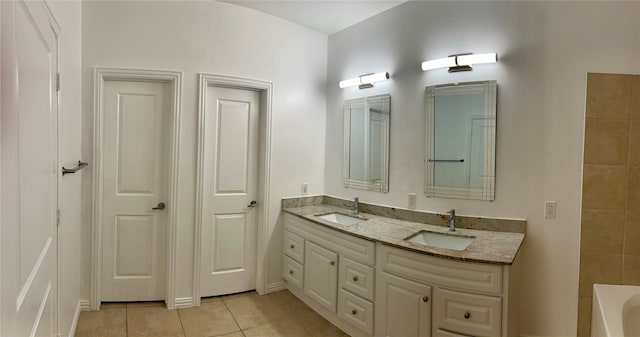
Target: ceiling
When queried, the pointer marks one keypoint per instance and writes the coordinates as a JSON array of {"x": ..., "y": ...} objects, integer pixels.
[{"x": 325, "y": 16}]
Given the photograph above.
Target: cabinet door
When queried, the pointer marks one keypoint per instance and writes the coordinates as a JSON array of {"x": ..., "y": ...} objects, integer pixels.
[
  {"x": 321, "y": 275},
  {"x": 403, "y": 307}
]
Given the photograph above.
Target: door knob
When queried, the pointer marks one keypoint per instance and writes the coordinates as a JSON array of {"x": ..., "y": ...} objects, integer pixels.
[
  {"x": 253, "y": 203},
  {"x": 160, "y": 206}
]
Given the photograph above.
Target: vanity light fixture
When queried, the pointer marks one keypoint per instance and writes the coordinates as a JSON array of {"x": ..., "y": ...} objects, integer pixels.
[
  {"x": 365, "y": 81},
  {"x": 460, "y": 62}
]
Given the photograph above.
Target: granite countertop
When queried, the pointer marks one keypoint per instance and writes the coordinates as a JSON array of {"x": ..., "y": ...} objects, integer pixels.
[{"x": 488, "y": 246}]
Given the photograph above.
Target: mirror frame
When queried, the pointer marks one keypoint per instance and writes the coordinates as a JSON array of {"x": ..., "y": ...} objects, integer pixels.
[
  {"x": 365, "y": 102},
  {"x": 487, "y": 191}
]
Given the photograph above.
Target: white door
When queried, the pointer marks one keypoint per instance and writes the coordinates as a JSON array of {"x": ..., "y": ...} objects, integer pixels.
[
  {"x": 134, "y": 198},
  {"x": 229, "y": 214},
  {"x": 321, "y": 275},
  {"x": 403, "y": 307},
  {"x": 29, "y": 171}
]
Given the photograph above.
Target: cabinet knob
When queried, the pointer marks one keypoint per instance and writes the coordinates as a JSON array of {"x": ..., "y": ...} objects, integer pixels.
[
  {"x": 425, "y": 299},
  {"x": 354, "y": 311},
  {"x": 332, "y": 263},
  {"x": 467, "y": 315},
  {"x": 355, "y": 279},
  {"x": 291, "y": 272},
  {"x": 292, "y": 246}
]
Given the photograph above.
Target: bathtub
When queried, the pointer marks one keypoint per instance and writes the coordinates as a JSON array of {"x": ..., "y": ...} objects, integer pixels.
[{"x": 616, "y": 311}]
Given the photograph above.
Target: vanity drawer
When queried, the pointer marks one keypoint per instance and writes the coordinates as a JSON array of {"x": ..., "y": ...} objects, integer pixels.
[
  {"x": 461, "y": 275},
  {"x": 293, "y": 272},
  {"x": 357, "y": 278},
  {"x": 355, "y": 248},
  {"x": 467, "y": 314},
  {"x": 294, "y": 246},
  {"x": 355, "y": 310}
]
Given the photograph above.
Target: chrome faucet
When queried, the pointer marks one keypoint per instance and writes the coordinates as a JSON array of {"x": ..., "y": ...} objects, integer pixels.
[
  {"x": 451, "y": 221},
  {"x": 356, "y": 206}
]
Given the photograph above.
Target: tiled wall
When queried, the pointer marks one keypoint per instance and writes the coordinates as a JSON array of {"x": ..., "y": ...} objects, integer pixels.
[{"x": 610, "y": 229}]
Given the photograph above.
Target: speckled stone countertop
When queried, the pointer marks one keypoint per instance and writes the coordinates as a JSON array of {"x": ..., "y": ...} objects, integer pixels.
[{"x": 489, "y": 246}]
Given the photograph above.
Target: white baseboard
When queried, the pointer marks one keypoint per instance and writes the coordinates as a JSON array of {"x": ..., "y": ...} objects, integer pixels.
[
  {"x": 183, "y": 302},
  {"x": 76, "y": 317},
  {"x": 275, "y": 286},
  {"x": 85, "y": 305}
]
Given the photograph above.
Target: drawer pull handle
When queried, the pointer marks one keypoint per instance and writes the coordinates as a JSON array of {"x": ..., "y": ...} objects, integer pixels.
[
  {"x": 332, "y": 263},
  {"x": 354, "y": 311},
  {"x": 467, "y": 315},
  {"x": 292, "y": 246},
  {"x": 291, "y": 272},
  {"x": 355, "y": 279},
  {"x": 425, "y": 299}
]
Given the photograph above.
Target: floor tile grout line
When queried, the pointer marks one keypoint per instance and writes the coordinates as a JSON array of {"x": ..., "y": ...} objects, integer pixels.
[
  {"x": 232, "y": 316},
  {"x": 184, "y": 332}
]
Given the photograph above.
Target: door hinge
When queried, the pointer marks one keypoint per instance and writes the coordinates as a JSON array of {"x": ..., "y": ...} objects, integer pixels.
[
  {"x": 58, "y": 216},
  {"x": 58, "y": 83}
]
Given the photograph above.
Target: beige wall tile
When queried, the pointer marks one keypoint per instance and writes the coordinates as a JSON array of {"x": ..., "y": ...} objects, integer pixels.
[
  {"x": 604, "y": 187},
  {"x": 602, "y": 231},
  {"x": 598, "y": 268},
  {"x": 209, "y": 319},
  {"x": 608, "y": 96},
  {"x": 632, "y": 233},
  {"x": 584, "y": 317},
  {"x": 631, "y": 270},
  {"x": 606, "y": 141},
  {"x": 635, "y": 98},
  {"x": 633, "y": 195},
  {"x": 153, "y": 322},
  {"x": 634, "y": 143}
]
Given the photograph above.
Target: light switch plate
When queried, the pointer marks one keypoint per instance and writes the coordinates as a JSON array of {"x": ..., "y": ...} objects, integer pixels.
[{"x": 549, "y": 209}]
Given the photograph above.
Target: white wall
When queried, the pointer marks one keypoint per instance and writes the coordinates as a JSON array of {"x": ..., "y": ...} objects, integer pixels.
[
  {"x": 68, "y": 15},
  {"x": 216, "y": 38},
  {"x": 545, "y": 50}
]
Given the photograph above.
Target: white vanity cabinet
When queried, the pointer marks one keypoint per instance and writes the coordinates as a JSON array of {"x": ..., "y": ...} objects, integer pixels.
[
  {"x": 372, "y": 289},
  {"x": 321, "y": 273},
  {"x": 339, "y": 275},
  {"x": 403, "y": 307},
  {"x": 466, "y": 298},
  {"x": 293, "y": 260}
]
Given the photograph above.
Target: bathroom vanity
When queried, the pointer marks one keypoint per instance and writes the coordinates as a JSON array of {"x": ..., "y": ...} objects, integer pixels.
[{"x": 365, "y": 277}]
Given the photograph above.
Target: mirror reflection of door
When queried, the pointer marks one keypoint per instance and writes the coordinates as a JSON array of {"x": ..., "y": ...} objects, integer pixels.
[
  {"x": 460, "y": 140},
  {"x": 367, "y": 143},
  {"x": 459, "y": 120}
]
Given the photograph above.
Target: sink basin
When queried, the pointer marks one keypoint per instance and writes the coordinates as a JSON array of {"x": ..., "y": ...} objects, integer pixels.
[
  {"x": 441, "y": 240},
  {"x": 341, "y": 219}
]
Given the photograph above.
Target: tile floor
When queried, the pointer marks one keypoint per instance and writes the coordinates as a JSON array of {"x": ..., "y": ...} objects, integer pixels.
[{"x": 239, "y": 315}]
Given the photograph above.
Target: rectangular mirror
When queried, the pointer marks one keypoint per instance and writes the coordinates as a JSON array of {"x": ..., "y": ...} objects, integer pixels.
[
  {"x": 366, "y": 143},
  {"x": 460, "y": 140}
]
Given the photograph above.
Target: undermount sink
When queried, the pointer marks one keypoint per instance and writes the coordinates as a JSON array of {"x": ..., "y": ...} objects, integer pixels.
[
  {"x": 341, "y": 219},
  {"x": 441, "y": 240}
]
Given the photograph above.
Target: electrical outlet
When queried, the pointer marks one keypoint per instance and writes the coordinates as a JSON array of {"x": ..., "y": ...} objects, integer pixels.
[
  {"x": 549, "y": 209},
  {"x": 305, "y": 189},
  {"x": 411, "y": 200}
]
